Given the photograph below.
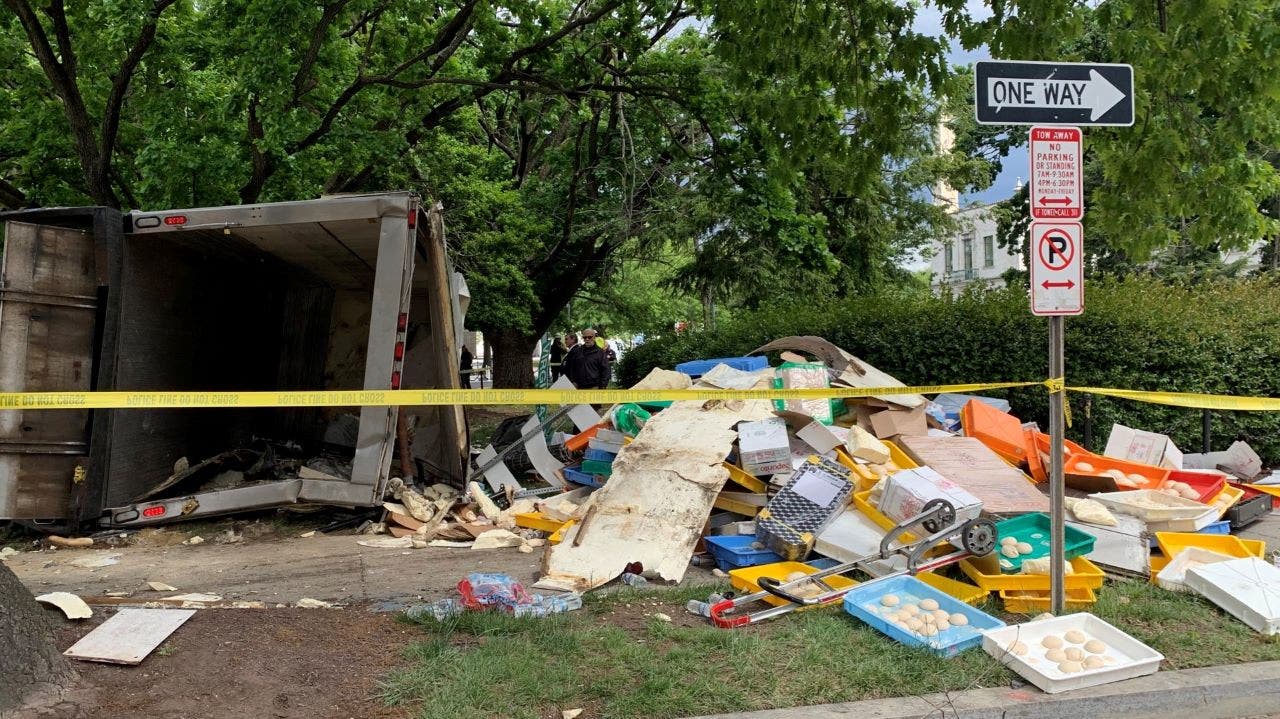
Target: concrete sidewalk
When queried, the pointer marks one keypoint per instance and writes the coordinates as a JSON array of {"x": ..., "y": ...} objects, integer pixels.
[{"x": 1241, "y": 690}]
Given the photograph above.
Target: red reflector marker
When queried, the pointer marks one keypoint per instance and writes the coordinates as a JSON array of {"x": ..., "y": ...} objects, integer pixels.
[
  {"x": 395, "y": 380},
  {"x": 175, "y": 220},
  {"x": 154, "y": 511},
  {"x": 399, "y": 350},
  {"x": 413, "y": 218},
  {"x": 403, "y": 322}
]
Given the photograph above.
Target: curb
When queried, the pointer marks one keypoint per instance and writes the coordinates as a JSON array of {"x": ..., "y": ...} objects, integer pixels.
[{"x": 1222, "y": 692}]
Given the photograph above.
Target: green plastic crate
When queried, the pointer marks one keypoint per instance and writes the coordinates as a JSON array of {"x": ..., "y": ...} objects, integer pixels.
[
  {"x": 595, "y": 466},
  {"x": 1033, "y": 529}
]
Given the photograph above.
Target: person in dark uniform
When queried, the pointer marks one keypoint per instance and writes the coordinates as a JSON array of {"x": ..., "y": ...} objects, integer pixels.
[
  {"x": 587, "y": 365},
  {"x": 464, "y": 368},
  {"x": 558, "y": 351}
]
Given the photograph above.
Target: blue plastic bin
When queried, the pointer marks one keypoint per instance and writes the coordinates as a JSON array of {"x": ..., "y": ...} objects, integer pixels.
[
  {"x": 732, "y": 551},
  {"x": 863, "y": 602},
  {"x": 573, "y": 474},
  {"x": 697, "y": 368},
  {"x": 599, "y": 455},
  {"x": 1222, "y": 526}
]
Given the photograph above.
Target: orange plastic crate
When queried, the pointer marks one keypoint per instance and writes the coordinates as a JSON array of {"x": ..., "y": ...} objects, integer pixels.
[{"x": 1000, "y": 431}]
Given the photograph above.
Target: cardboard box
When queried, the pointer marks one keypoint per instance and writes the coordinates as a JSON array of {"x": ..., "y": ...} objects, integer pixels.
[
  {"x": 1239, "y": 459},
  {"x": 763, "y": 447},
  {"x": 804, "y": 375},
  {"x": 1137, "y": 445},
  {"x": 863, "y": 445},
  {"x": 906, "y": 492},
  {"x": 894, "y": 422}
]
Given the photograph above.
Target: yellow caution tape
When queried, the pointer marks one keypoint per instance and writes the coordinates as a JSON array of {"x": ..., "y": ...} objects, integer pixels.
[
  {"x": 436, "y": 397},
  {"x": 1185, "y": 399},
  {"x": 441, "y": 397}
]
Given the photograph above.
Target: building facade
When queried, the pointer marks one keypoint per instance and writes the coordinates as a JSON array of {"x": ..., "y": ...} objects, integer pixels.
[{"x": 971, "y": 254}]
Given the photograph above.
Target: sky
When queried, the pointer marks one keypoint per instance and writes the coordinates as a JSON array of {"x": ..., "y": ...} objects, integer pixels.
[{"x": 1015, "y": 168}]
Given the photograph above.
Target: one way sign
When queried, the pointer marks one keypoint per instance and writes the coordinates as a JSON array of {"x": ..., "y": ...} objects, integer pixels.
[{"x": 1053, "y": 93}]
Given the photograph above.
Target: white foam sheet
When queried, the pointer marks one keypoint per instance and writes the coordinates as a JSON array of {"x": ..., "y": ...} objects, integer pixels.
[
  {"x": 1173, "y": 576},
  {"x": 852, "y": 536},
  {"x": 539, "y": 456},
  {"x": 1247, "y": 589}
]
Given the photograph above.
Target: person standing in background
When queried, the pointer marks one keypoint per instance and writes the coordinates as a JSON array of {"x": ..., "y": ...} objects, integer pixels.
[
  {"x": 587, "y": 365},
  {"x": 464, "y": 367},
  {"x": 558, "y": 351}
]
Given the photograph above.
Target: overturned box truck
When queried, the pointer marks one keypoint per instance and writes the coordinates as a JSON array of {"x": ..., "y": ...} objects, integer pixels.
[{"x": 344, "y": 292}]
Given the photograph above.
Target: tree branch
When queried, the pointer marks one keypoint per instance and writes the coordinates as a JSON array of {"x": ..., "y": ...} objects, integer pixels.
[
  {"x": 10, "y": 196},
  {"x": 120, "y": 85},
  {"x": 302, "y": 79}
]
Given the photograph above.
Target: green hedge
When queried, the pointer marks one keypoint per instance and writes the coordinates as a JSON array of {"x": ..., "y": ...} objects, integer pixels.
[{"x": 1135, "y": 334}]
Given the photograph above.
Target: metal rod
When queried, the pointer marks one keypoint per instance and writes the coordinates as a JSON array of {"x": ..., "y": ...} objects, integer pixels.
[
  {"x": 1206, "y": 426},
  {"x": 493, "y": 462},
  {"x": 1057, "y": 561},
  {"x": 1088, "y": 422}
]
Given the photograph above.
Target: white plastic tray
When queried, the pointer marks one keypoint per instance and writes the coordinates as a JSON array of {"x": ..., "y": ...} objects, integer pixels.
[
  {"x": 1173, "y": 576},
  {"x": 1211, "y": 515},
  {"x": 1165, "y": 507},
  {"x": 1131, "y": 657},
  {"x": 1247, "y": 589}
]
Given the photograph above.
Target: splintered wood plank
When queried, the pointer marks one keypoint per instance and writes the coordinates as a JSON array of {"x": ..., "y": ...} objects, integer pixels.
[
  {"x": 129, "y": 636},
  {"x": 972, "y": 465}
]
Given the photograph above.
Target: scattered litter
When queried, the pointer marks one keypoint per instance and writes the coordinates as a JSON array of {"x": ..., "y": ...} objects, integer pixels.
[
  {"x": 248, "y": 605},
  {"x": 308, "y": 535},
  {"x": 571, "y": 713},
  {"x": 7, "y": 552},
  {"x": 719, "y": 573},
  {"x": 308, "y": 603},
  {"x": 194, "y": 597},
  {"x": 129, "y": 636},
  {"x": 197, "y": 539},
  {"x": 526, "y": 548},
  {"x": 71, "y": 605},
  {"x": 450, "y": 544},
  {"x": 662, "y": 617},
  {"x": 497, "y": 539},
  {"x": 57, "y": 541},
  {"x": 97, "y": 561},
  {"x": 119, "y": 594},
  {"x": 161, "y": 587},
  {"x": 387, "y": 543}
]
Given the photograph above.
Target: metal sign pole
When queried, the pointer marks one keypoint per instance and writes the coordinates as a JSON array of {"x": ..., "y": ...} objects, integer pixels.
[{"x": 1057, "y": 560}]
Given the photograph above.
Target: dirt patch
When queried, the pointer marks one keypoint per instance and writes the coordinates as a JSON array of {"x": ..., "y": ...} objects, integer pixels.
[{"x": 233, "y": 663}]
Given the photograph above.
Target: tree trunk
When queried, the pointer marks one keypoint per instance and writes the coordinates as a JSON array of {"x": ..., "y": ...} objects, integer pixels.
[
  {"x": 512, "y": 358},
  {"x": 29, "y": 660}
]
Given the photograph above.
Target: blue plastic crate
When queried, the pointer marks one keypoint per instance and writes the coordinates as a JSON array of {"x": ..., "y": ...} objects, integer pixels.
[
  {"x": 863, "y": 602},
  {"x": 573, "y": 474},
  {"x": 697, "y": 368},
  {"x": 735, "y": 551},
  {"x": 599, "y": 455},
  {"x": 821, "y": 563},
  {"x": 1222, "y": 526}
]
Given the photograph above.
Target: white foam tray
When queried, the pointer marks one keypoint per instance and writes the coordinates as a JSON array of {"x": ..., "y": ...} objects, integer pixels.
[
  {"x": 1247, "y": 589},
  {"x": 1132, "y": 657},
  {"x": 1211, "y": 515},
  {"x": 1169, "y": 508},
  {"x": 1173, "y": 576}
]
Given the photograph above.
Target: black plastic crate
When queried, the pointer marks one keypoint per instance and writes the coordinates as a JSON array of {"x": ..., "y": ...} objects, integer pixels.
[{"x": 1253, "y": 506}]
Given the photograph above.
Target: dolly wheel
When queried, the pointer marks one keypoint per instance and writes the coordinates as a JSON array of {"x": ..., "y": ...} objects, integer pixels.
[
  {"x": 945, "y": 515},
  {"x": 979, "y": 537}
]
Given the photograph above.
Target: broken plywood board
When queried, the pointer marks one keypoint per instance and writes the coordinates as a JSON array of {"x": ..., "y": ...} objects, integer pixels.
[
  {"x": 972, "y": 465},
  {"x": 657, "y": 500},
  {"x": 129, "y": 636}
]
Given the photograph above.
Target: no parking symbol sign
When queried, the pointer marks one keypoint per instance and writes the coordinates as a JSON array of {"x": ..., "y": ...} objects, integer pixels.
[{"x": 1057, "y": 275}]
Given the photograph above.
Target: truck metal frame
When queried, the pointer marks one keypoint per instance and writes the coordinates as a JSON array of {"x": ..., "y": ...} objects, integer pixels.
[{"x": 272, "y": 267}]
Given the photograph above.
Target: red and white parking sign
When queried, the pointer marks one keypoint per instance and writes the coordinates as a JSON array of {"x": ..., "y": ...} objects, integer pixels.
[
  {"x": 1057, "y": 183},
  {"x": 1057, "y": 276}
]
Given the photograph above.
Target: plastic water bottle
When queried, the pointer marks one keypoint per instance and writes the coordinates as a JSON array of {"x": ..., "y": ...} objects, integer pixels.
[
  {"x": 633, "y": 580},
  {"x": 703, "y": 608},
  {"x": 439, "y": 610},
  {"x": 546, "y": 606}
]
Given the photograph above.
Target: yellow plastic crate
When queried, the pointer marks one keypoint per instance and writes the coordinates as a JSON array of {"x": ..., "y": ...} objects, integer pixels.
[
  {"x": 730, "y": 504},
  {"x": 899, "y": 457},
  {"x": 739, "y": 476},
  {"x": 862, "y": 500},
  {"x": 867, "y": 478},
  {"x": 1087, "y": 575},
  {"x": 747, "y": 579},
  {"x": 1035, "y": 601},
  {"x": 538, "y": 521},
  {"x": 1232, "y": 493},
  {"x": 558, "y": 535},
  {"x": 1173, "y": 542},
  {"x": 966, "y": 593}
]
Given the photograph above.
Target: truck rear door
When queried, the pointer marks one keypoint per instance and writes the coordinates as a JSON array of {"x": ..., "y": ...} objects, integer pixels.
[{"x": 48, "y": 312}]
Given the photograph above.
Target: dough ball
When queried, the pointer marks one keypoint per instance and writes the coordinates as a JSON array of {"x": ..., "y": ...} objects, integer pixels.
[
  {"x": 1134, "y": 476},
  {"x": 958, "y": 619},
  {"x": 929, "y": 631},
  {"x": 888, "y": 600},
  {"x": 1070, "y": 667},
  {"x": 1006, "y": 564},
  {"x": 1093, "y": 646},
  {"x": 1108, "y": 659},
  {"x": 1189, "y": 494},
  {"x": 800, "y": 575},
  {"x": 1042, "y": 616},
  {"x": 1009, "y": 550},
  {"x": 928, "y": 619},
  {"x": 1051, "y": 642},
  {"x": 941, "y": 614},
  {"x": 1018, "y": 648},
  {"x": 1024, "y": 548},
  {"x": 1170, "y": 492},
  {"x": 1075, "y": 636},
  {"x": 1094, "y": 663},
  {"x": 757, "y": 545},
  {"x": 1084, "y": 466},
  {"x": 1075, "y": 655},
  {"x": 915, "y": 625},
  {"x": 1057, "y": 656},
  {"x": 929, "y": 604},
  {"x": 1008, "y": 540},
  {"x": 911, "y": 610}
]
